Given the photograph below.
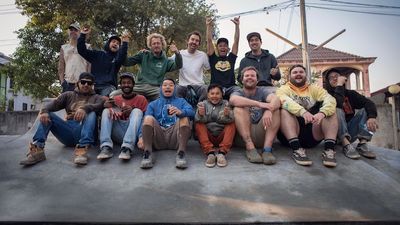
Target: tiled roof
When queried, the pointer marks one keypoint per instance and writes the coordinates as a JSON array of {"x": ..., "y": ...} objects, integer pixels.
[
  {"x": 317, "y": 55},
  {"x": 4, "y": 59}
]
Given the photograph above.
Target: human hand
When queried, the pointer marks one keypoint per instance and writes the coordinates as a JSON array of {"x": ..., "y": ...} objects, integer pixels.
[
  {"x": 209, "y": 21},
  {"x": 236, "y": 21},
  {"x": 44, "y": 118},
  {"x": 308, "y": 117},
  {"x": 201, "y": 109},
  {"x": 173, "y": 48},
  {"x": 79, "y": 115},
  {"x": 274, "y": 71},
  {"x": 317, "y": 118},
  {"x": 372, "y": 124},
  {"x": 341, "y": 80},
  {"x": 267, "y": 119}
]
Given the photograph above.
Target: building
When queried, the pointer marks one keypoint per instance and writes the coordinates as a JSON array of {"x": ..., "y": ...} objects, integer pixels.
[
  {"x": 10, "y": 100},
  {"x": 322, "y": 59}
]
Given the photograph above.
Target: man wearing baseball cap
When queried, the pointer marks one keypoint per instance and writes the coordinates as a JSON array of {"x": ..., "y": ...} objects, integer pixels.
[
  {"x": 222, "y": 63},
  {"x": 71, "y": 64},
  {"x": 121, "y": 120},
  {"x": 262, "y": 60},
  {"x": 78, "y": 127}
]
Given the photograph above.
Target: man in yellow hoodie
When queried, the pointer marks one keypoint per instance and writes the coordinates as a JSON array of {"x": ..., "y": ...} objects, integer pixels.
[{"x": 307, "y": 117}]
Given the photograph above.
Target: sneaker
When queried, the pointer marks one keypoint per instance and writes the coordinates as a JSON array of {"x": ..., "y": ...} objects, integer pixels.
[
  {"x": 125, "y": 153},
  {"x": 350, "y": 152},
  {"x": 211, "y": 160},
  {"x": 364, "y": 151},
  {"x": 147, "y": 161},
  {"x": 221, "y": 160},
  {"x": 301, "y": 158},
  {"x": 80, "y": 155},
  {"x": 268, "y": 158},
  {"x": 180, "y": 160},
  {"x": 35, "y": 155},
  {"x": 253, "y": 156},
  {"x": 105, "y": 153},
  {"x": 328, "y": 158}
]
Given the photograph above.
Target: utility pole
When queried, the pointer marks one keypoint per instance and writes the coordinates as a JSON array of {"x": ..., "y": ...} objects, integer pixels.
[{"x": 306, "y": 59}]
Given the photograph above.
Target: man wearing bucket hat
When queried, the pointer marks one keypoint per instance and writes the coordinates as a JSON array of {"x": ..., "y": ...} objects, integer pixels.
[{"x": 121, "y": 120}]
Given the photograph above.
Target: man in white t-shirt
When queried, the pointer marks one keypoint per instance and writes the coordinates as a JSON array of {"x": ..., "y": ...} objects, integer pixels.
[{"x": 194, "y": 63}]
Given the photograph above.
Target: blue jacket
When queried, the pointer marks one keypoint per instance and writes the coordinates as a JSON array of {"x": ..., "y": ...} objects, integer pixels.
[
  {"x": 105, "y": 63},
  {"x": 158, "y": 109}
]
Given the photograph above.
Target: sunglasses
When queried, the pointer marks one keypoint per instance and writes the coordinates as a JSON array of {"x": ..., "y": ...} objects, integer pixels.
[{"x": 88, "y": 82}]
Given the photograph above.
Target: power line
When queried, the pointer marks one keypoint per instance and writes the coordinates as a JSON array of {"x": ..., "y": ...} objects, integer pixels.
[
  {"x": 9, "y": 40},
  {"x": 354, "y": 11},
  {"x": 363, "y": 4},
  {"x": 11, "y": 12}
]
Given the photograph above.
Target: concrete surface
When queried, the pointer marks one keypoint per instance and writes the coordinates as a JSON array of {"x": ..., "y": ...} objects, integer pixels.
[{"x": 113, "y": 191}]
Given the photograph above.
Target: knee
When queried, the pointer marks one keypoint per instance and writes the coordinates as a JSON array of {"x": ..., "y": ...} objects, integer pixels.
[
  {"x": 148, "y": 120},
  {"x": 136, "y": 113},
  {"x": 184, "y": 121},
  {"x": 91, "y": 116}
]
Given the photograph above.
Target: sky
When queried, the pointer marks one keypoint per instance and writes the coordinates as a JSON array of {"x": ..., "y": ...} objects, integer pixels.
[{"x": 366, "y": 35}]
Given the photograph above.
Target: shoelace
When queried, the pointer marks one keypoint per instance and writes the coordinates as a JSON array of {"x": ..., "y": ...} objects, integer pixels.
[
  {"x": 301, "y": 152},
  {"x": 330, "y": 154}
]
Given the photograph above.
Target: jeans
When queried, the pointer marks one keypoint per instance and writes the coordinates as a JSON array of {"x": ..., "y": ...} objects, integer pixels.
[
  {"x": 355, "y": 128},
  {"x": 121, "y": 131},
  {"x": 200, "y": 89},
  {"x": 70, "y": 132},
  {"x": 104, "y": 90}
]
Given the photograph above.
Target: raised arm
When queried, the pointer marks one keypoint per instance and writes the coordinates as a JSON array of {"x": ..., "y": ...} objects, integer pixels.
[
  {"x": 235, "y": 45},
  {"x": 61, "y": 66},
  {"x": 210, "y": 46}
]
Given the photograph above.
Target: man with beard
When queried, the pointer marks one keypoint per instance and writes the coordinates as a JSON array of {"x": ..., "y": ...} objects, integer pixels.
[
  {"x": 121, "y": 120},
  {"x": 166, "y": 125},
  {"x": 261, "y": 59},
  {"x": 222, "y": 62},
  {"x": 256, "y": 117},
  {"x": 307, "y": 117},
  {"x": 194, "y": 63},
  {"x": 81, "y": 106},
  {"x": 106, "y": 63},
  {"x": 154, "y": 64},
  {"x": 352, "y": 125},
  {"x": 71, "y": 64}
]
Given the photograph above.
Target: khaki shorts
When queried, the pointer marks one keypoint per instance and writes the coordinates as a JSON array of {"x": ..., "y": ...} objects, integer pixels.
[
  {"x": 166, "y": 138},
  {"x": 257, "y": 134}
]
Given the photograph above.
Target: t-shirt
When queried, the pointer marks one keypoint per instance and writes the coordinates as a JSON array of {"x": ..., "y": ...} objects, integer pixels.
[
  {"x": 261, "y": 95},
  {"x": 193, "y": 67},
  {"x": 138, "y": 101},
  {"x": 223, "y": 69}
]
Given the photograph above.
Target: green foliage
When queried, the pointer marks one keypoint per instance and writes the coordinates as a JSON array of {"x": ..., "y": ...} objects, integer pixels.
[{"x": 34, "y": 67}]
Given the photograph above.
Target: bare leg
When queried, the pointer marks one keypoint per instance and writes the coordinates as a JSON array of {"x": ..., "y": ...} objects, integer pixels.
[{"x": 242, "y": 121}]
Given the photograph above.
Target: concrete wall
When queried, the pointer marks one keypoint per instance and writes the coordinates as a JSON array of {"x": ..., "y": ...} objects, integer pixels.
[
  {"x": 384, "y": 137},
  {"x": 16, "y": 122}
]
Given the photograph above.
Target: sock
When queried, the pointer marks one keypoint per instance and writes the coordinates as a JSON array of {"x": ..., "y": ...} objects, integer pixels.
[
  {"x": 330, "y": 144},
  {"x": 294, "y": 144},
  {"x": 267, "y": 149},
  {"x": 212, "y": 152}
]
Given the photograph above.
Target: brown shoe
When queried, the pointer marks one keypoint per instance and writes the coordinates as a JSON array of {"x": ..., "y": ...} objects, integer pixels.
[
  {"x": 34, "y": 155},
  {"x": 80, "y": 155}
]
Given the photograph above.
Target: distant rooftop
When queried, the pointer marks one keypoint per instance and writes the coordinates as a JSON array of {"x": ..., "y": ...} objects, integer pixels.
[{"x": 4, "y": 59}]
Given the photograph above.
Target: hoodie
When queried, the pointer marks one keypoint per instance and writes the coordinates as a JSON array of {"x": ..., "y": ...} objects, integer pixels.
[
  {"x": 214, "y": 118},
  {"x": 105, "y": 63},
  {"x": 349, "y": 100},
  {"x": 159, "y": 109},
  {"x": 263, "y": 63}
]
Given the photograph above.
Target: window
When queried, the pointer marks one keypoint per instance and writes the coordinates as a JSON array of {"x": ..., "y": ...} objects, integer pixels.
[{"x": 24, "y": 106}]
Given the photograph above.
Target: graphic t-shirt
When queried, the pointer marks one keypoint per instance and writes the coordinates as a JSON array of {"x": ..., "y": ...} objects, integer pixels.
[{"x": 223, "y": 69}]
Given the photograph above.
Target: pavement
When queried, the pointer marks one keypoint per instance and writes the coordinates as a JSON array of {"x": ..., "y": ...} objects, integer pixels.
[{"x": 56, "y": 190}]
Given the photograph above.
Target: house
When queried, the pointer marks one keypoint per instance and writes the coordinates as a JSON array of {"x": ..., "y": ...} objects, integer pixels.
[{"x": 11, "y": 100}]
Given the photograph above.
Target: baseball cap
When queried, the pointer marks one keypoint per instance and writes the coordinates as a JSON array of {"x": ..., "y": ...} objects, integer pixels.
[
  {"x": 75, "y": 26},
  {"x": 252, "y": 34},
  {"x": 127, "y": 75},
  {"x": 222, "y": 40},
  {"x": 86, "y": 75}
]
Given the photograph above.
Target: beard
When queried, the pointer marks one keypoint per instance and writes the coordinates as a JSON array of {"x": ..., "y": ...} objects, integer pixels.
[
  {"x": 127, "y": 90},
  {"x": 298, "y": 84}
]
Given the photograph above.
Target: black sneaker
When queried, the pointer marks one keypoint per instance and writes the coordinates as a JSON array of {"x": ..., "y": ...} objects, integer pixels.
[
  {"x": 147, "y": 161},
  {"x": 300, "y": 157},
  {"x": 180, "y": 160},
  {"x": 105, "y": 153},
  {"x": 328, "y": 158}
]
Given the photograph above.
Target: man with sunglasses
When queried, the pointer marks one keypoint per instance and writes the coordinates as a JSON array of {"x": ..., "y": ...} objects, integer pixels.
[
  {"x": 71, "y": 64},
  {"x": 78, "y": 128}
]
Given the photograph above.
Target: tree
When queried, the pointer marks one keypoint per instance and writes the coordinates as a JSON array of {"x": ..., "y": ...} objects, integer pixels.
[{"x": 34, "y": 66}]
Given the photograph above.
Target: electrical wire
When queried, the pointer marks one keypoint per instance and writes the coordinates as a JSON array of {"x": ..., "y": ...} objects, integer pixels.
[{"x": 354, "y": 11}]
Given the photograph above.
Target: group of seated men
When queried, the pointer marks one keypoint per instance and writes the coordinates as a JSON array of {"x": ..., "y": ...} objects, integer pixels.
[{"x": 152, "y": 112}]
